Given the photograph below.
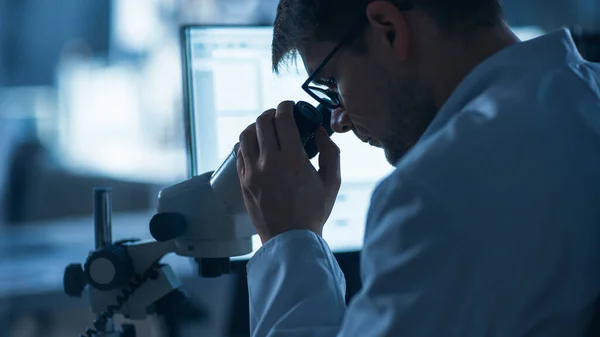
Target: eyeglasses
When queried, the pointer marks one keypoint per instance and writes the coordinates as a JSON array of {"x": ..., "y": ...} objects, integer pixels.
[{"x": 322, "y": 92}]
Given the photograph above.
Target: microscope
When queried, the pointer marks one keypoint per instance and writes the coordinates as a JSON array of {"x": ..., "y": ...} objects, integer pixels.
[{"x": 202, "y": 218}]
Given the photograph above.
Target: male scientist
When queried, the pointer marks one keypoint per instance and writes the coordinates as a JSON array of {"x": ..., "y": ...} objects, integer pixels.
[{"x": 489, "y": 224}]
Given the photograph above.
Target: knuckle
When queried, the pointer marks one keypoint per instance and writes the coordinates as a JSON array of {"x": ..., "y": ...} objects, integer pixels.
[
  {"x": 263, "y": 161},
  {"x": 336, "y": 150},
  {"x": 332, "y": 146},
  {"x": 248, "y": 132},
  {"x": 338, "y": 180},
  {"x": 265, "y": 117},
  {"x": 335, "y": 184},
  {"x": 251, "y": 128},
  {"x": 267, "y": 164},
  {"x": 249, "y": 176},
  {"x": 285, "y": 105}
]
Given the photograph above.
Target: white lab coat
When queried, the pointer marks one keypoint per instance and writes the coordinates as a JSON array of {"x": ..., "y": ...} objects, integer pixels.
[{"x": 490, "y": 226}]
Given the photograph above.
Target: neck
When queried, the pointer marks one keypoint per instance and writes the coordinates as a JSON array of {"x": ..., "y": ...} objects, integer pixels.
[{"x": 461, "y": 57}]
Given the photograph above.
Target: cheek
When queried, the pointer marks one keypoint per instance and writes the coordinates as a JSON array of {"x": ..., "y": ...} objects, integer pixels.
[
  {"x": 363, "y": 91},
  {"x": 355, "y": 108},
  {"x": 355, "y": 97},
  {"x": 363, "y": 106}
]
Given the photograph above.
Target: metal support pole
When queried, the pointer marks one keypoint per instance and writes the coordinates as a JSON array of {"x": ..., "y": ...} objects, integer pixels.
[{"x": 103, "y": 217}]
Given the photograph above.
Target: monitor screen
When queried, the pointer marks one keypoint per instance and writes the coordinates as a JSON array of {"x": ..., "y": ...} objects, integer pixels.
[{"x": 229, "y": 82}]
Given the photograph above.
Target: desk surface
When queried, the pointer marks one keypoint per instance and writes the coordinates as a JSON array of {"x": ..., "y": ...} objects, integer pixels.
[{"x": 33, "y": 256}]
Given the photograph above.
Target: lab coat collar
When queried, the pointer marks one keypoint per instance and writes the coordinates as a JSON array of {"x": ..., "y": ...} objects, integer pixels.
[{"x": 547, "y": 51}]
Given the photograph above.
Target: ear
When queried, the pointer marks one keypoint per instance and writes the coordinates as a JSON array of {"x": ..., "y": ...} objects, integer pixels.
[{"x": 389, "y": 27}]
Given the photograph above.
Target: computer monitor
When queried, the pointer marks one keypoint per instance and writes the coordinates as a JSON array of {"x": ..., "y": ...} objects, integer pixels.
[{"x": 228, "y": 82}]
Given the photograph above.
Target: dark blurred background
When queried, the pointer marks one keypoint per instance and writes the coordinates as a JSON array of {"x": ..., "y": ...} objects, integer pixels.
[{"x": 90, "y": 94}]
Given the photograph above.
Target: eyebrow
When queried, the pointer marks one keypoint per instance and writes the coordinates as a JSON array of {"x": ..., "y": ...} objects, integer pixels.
[{"x": 320, "y": 81}]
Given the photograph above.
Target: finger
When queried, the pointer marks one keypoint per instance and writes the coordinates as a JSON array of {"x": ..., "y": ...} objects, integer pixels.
[
  {"x": 241, "y": 168},
  {"x": 240, "y": 165},
  {"x": 329, "y": 160},
  {"x": 287, "y": 130},
  {"x": 266, "y": 132},
  {"x": 249, "y": 146}
]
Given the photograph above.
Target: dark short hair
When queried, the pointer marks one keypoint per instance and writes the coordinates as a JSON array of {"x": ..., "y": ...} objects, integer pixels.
[{"x": 329, "y": 20}]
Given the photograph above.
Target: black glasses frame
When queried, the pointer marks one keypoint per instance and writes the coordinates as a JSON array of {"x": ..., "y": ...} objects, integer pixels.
[{"x": 334, "y": 96}]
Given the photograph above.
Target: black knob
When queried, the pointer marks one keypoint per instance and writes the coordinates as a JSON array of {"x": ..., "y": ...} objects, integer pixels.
[
  {"x": 74, "y": 280},
  {"x": 128, "y": 330},
  {"x": 109, "y": 268},
  {"x": 167, "y": 226},
  {"x": 309, "y": 119},
  {"x": 311, "y": 148},
  {"x": 326, "y": 114}
]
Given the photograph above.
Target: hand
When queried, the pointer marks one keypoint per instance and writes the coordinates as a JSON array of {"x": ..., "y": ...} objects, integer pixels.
[{"x": 281, "y": 188}]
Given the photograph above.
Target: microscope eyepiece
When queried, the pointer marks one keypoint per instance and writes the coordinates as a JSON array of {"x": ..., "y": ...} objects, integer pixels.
[{"x": 309, "y": 119}]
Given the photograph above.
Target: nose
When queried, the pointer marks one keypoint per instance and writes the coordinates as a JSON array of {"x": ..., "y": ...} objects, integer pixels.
[{"x": 340, "y": 122}]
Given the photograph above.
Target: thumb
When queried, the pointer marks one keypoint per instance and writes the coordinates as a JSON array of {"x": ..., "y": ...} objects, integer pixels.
[{"x": 329, "y": 159}]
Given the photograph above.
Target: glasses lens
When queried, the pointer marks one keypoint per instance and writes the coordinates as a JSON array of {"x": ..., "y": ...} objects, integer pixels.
[{"x": 326, "y": 96}]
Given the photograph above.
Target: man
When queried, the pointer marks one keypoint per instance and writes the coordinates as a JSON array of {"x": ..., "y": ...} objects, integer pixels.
[{"x": 490, "y": 223}]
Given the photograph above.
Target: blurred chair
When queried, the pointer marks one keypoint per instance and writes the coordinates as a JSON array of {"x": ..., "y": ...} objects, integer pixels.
[
  {"x": 5, "y": 154},
  {"x": 23, "y": 159},
  {"x": 13, "y": 131}
]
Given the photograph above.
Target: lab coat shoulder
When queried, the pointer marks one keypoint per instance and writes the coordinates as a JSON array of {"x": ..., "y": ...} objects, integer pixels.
[
  {"x": 418, "y": 258},
  {"x": 509, "y": 136},
  {"x": 409, "y": 267},
  {"x": 439, "y": 226}
]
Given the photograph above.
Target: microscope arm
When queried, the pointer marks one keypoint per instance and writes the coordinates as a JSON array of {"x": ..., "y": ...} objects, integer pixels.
[
  {"x": 127, "y": 278},
  {"x": 147, "y": 253}
]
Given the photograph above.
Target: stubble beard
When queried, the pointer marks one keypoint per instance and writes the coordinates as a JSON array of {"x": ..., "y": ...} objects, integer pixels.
[{"x": 412, "y": 108}]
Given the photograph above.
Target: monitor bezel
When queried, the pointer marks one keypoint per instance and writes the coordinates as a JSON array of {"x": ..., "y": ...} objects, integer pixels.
[{"x": 188, "y": 105}]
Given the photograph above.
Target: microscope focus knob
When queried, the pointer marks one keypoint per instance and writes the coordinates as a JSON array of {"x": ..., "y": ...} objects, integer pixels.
[
  {"x": 167, "y": 226},
  {"x": 74, "y": 280},
  {"x": 109, "y": 268}
]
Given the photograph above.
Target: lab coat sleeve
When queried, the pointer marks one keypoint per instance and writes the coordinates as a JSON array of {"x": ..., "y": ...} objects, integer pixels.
[
  {"x": 296, "y": 287},
  {"x": 416, "y": 280},
  {"x": 413, "y": 282}
]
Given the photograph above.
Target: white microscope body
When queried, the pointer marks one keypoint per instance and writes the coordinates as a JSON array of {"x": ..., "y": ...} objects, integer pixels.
[
  {"x": 212, "y": 203},
  {"x": 203, "y": 218}
]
